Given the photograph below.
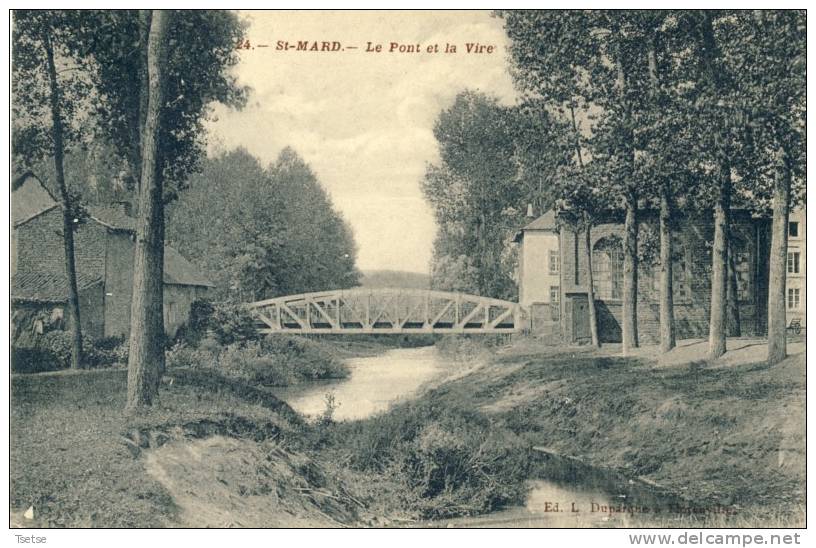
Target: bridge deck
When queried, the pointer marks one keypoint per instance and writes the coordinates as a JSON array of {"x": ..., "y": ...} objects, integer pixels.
[{"x": 386, "y": 311}]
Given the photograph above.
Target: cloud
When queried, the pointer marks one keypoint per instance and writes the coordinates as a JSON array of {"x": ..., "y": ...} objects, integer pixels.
[{"x": 364, "y": 121}]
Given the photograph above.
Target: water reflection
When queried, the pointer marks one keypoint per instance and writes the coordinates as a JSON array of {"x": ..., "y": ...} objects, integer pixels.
[{"x": 374, "y": 384}]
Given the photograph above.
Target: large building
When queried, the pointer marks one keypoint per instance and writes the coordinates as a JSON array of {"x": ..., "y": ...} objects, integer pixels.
[
  {"x": 553, "y": 276},
  {"x": 104, "y": 251}
]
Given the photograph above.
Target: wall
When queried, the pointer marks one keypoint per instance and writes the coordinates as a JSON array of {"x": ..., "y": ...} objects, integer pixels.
[
  {"x": 535, "y": 279},
  {"x": 177, "y": 301},
  {"x": 797, "y": 244},
  {"x": 118, "y": 283},
  {"x": 692, "y": 301},
  {"x": 92, "y": 310}
]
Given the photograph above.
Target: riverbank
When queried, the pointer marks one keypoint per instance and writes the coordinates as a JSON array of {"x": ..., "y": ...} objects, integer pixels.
[
  {"x": 78, "y": 461},
  {"x": 722, "y": 435},
  {"x": 217, "y": 451}
]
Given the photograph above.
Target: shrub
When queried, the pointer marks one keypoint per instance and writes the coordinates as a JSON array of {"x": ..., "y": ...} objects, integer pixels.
[
  {"x": 233, "y": 323},
  {"x": 309, "y": 360},
  {"x": 275, "y": 361},
  {"x": 58, "y": 344},
  {"x": 111, "y": 350},
  {"x": 182, "y": 355},
  {"x": 452, "y": 461},
  {"x": 33, "y": 360},
  {"x": 198, "y": 323}
]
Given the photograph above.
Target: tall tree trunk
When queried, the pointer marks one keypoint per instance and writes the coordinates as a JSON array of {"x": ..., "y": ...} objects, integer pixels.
[
  {"x": 137, "y": 122},
  {"x": 630, "y": 275},
  {"x": 74, "y": 320},
  {"x": 629, "y": 333},
  {"x": 719, "y": 271},
  {"x": 593, "y": 318},
  {"x": 146, "y": 359},
  {"x": 734, "y": 329},
  {"x": 667, "y": 330},
  {"x": 777, "y": 321}
]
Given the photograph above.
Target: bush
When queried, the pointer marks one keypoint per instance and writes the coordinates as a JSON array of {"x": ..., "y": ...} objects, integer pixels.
[
  {"x": 58, "y": 344},
  {"x": 309, "y": 359},
  {"x": 33, "y": 360},
  {"x": 452, "y": 461},
  {"x": 232, "y": 323},
  {"x": 274, "y": 361},
  {"x": 198, "y": 323},
  {"x": 53, "y": 353},
  {"x": 181, "y": 355},
  {"x": 109, "y": 351}
]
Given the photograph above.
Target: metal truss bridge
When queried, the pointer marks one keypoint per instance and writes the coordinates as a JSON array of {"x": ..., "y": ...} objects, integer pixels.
[{"x": 361, "y": 310}]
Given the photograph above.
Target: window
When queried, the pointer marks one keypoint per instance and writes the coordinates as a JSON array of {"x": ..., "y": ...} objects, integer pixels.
[
  {"x": 607, "y": 268},
  {"x": 680, "y": 278},
  {"x": 742, "y": 266},
  {"x": 553, "y": 262},
  {"x": 793, "y": 262},
  {"x": 793, "y": 298},
  {"x": 793, "y": 229},
  {"x": 554, "y": 292}
]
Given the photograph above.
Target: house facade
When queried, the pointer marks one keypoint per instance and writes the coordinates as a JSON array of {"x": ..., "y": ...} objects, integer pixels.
[
  {"x": 795, "y": 290},
  {"x": 563, "y": 308},
  {"x": 539, "y": 272},
  {"x": 104, "y": 253}
]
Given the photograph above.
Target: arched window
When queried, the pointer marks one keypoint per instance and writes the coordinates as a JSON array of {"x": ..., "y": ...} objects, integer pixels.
[{"x": 607, "y": 268}]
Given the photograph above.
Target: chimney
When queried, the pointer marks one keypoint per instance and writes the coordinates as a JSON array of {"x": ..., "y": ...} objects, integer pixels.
[
  {"x": 530, "y": 210},
  {"x": 125, "y": 207}
]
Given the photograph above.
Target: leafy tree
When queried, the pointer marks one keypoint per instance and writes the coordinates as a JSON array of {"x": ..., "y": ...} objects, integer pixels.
[
  {"x": 473, "y": 190},
  {"x": 553, "y": 53},
  {"x": 270, "y": 231},
  {"x": 767, "y": 49},
  {"x": 47, "y": 108},
  {"x": 201, "y": 51}
]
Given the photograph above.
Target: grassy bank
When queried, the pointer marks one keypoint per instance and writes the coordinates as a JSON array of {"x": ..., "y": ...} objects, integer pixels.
[
  {"x": 216, "y": 447},
  {"x": 727, "y": 434},
  {"x": 80, "y": 462}
]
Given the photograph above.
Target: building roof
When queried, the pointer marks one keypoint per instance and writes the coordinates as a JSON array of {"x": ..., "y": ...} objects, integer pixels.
[
  {"x": 47, "y": 287},
  {"x": 180, "y": 271},
  {"x": 29, "y": 198},
  {"x": 545, "y": 222},
  {"x": 113, "y": 217}
]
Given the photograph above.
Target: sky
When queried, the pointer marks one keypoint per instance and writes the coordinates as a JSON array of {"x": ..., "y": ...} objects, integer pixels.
[{"x": 364, "y": 120}]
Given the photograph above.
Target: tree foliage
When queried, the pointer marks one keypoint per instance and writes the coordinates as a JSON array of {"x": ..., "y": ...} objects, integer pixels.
[
  {"x": 492, "y": 162},
  {"x": 261, "y": 232},
  {"x": 201, "y": 50}
]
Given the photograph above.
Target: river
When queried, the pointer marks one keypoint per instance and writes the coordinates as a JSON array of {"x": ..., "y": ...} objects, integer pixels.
[
  {"x": 374, "y": 383},
  {"x": 572, "y": 495}
]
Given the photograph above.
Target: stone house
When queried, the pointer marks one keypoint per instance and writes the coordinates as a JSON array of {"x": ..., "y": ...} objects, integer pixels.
[
  {"x": 553, "y": 275},
  {"x": 104, "y": 251}
]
